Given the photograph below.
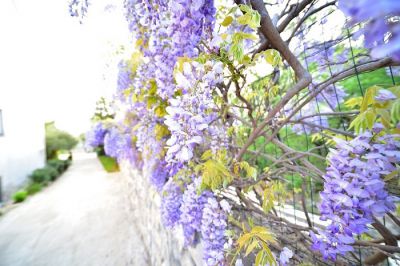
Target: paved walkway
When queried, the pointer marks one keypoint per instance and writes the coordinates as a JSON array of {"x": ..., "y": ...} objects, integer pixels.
[{"x": 81, "y": 219}]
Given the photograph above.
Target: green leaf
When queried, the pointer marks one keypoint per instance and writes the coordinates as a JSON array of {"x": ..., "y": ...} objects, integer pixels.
[
  {"x": 363, "y": 121},
  {"x": 242, "y": 240},
  {"x": 395, "y": 111},
  {"x": 316, "y": 137},
  {"x": 206, "y": 155},
  {"x": 135, "y": 61},
  {"x": 251, "y": 172},
  {"x": 251, "y": 247},
  {"x": 354, "y": 102},
  {"x": 246, "y": 60},
  {"x": 272, "y": 57},
  {"x": 385, "y": 117},
  {"x": 160, "y": 110},
  {"x": 237, "y": 51},
  {"x": 251, "y": 17},
  {"x": 244, "y": 19},
  {"x": 391, "y": 175},
  {"x": 370, "y": 117},
  {"x": 215, "y": 173},
  {"x": 256, "y": 20},
  {"x": 151, "y": 100},
  {"x": 227, "y": 21},
  {"x": 268, "y": 199},
  {"x": 239, "y": 36},
  {"x": 369, "y": 98},
  {"x": 259, "y": 257},
  {"x": 153, "y": 88},
  {"x": 257, "y": 238},
  {"x": 356, "y": 123},
  {"x": 270, "y": 258},
  {"x": 245, "y": 8},
  {"x": 161, "y": 131}
]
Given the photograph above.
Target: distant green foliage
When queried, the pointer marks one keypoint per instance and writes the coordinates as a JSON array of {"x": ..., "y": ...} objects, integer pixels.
[
  {"x": 20, "y": 196},
  {"x": 59, "y": 165},
  {"x": 377, "y": 77},
  {"x": 33, "y": 188},
  {"x": 44, "y": 175},
  {"x": 67, "y": 163},
  {"x": 109, "y": 164},
  {"x": 57, "y": 140}
]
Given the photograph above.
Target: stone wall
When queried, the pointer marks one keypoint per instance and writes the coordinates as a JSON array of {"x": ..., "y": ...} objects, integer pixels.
[{"x": 164, "y": 247}]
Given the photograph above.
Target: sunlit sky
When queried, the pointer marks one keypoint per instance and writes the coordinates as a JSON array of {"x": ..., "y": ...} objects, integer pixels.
[{"x": 49, "y": 59}]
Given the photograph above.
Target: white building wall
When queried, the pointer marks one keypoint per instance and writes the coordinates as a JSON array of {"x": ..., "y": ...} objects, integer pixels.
[
  {"x": 22, "y": 79},
  {"x": 22, "y": 147}
]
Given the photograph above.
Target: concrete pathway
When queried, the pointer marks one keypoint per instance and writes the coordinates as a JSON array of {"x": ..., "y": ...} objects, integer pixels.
[{"x": 81, "y": 219}]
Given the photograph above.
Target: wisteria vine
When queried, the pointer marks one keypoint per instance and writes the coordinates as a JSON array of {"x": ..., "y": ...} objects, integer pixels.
[{"x": 200, "y": 117}]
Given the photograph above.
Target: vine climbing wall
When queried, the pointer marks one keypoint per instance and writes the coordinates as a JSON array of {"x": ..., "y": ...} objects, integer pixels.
[{"x": 269, "y": 130}]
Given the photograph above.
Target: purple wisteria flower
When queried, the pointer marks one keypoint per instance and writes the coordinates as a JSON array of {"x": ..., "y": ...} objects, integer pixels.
[
  {"x": 186, "y": 130},
  {"x": 118, "y": 144},
  {"x": 192, "y": 211},
  {"x": 213, "y": 227},
  {"x": 385, "y": 95},
  {"x": 124, "y": 80},
  {"x": 111, "y": 142},
  {"x": 285, "y": 255},
  {"x": 95, "y": 136},
  {"x": 146, "y": 140},
  {"x": 173, "y": 29},
  {"x": 190, "y": 115},
  {"x": 382, "y": 30},
  {"x": 354, "y": 192},
  {"x": 129, "y": 152},
  {"x": 377, "y": 128},
  {"x": 159, "y": 174},
  {"x": 170, "y": 204},
  {"x": 78, "y": 8},
  {"x": 166, "y": 31},
  {"x": 154, "y": 165}
]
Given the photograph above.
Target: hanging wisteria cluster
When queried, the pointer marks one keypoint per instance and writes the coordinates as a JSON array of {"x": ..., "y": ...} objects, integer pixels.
[
  {"x": 95, "y": 137},
  {"x": 213, "y": 227},
  {"x": 190, "y": 116},
  {"x": 174, "y": 106},
  {"x": 382, "y": 32},
  {"x": 354, "y": 191},
  {"x": 78, "y": 8},
  {"x": 206, "y": 129}
]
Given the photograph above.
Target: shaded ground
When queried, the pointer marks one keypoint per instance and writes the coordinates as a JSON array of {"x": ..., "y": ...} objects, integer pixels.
[{"x": 81, "y": 219}]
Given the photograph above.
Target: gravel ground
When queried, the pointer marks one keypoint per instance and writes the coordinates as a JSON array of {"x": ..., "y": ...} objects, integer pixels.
[{"x": 81, "y": 219}]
